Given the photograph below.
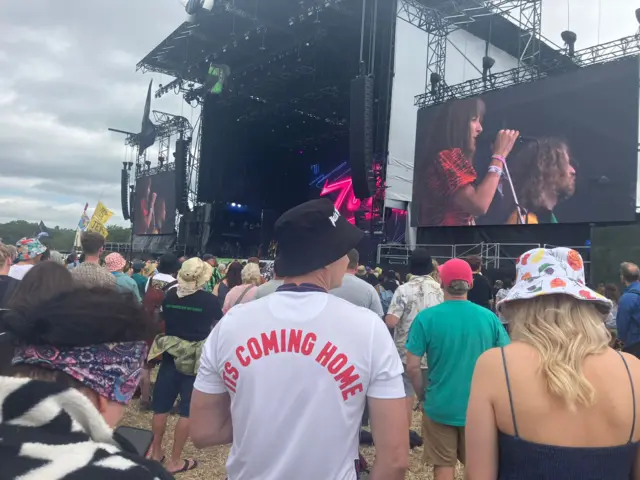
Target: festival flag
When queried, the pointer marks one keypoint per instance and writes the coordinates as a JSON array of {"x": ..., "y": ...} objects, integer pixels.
[
  {"x": 147, "y": 135},
  {"x": 101, "y": 215},
  {"x": 84, "y": 219}
]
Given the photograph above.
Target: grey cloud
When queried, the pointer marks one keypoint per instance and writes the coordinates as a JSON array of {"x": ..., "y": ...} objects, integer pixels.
[{"x": 69, "y": 74}]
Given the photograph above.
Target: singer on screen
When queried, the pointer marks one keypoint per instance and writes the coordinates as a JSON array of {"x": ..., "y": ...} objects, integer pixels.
[
  {"x": 451, "y": 194},
  {"x": 146, "y": 207},
  {"x": 543, "y": 176}
]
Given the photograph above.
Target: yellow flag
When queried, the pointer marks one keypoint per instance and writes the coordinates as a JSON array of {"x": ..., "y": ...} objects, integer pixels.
[
  {"x": 102, "y": 214},
  {"x": 95, "y": 226}
]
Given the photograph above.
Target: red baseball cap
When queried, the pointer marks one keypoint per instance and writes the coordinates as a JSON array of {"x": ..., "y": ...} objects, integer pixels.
[{"x": 456, "y": 269}]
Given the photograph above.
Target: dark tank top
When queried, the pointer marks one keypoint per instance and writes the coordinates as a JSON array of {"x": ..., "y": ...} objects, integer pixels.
[{"x": 520, "y": 459}]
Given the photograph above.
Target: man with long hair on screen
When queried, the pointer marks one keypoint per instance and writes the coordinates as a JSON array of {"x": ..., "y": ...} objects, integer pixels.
[
  {"x": 543, "y": 177},
  {"x": 447, "y": 192}
]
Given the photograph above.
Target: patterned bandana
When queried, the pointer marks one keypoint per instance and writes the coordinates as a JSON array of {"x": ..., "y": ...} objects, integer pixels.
[{"x": 111, "y": 369}]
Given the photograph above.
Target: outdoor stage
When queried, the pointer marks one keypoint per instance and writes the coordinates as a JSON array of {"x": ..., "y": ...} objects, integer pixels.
[{"x": 273, "y": 80}]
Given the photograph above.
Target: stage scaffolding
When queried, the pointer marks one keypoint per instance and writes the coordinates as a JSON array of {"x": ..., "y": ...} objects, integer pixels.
[
  {"x": 494, "y": 255},
  {"x": 167, "y": 126},
  {"x": 443, "y": 18},
  {"x": 531, "y": 68}
]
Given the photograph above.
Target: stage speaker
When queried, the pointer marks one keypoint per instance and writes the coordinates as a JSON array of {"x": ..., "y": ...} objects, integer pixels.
[
  {"x": 181, "y": 155},
  {"x": 124, "y": 193},
  {"x": 361, "y": 136},
  {"x": 132, "y": 202}
]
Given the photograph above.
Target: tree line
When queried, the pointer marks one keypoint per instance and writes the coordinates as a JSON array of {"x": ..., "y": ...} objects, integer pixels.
[{"x": 57, "y": 238}]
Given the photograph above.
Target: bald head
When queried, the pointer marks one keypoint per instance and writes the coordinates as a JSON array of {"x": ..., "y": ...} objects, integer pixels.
[{"x": 629, "y": 272}]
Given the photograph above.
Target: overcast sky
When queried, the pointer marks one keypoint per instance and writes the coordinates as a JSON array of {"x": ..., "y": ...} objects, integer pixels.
[{"x": 68, "y": 73}]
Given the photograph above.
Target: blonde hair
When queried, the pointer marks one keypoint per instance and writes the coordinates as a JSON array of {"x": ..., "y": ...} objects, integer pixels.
[
  {"x": 5, "y": 255},
  {"x": 251, "y": 274},
  {"x": 435, "y": 274},
  {"x": 564, "y": 331}
]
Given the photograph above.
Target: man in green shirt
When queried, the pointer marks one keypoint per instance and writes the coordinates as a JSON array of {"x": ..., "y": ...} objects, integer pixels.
[
  {"x": 452, "y": 335},
  {"x": 215, "y": 276}
]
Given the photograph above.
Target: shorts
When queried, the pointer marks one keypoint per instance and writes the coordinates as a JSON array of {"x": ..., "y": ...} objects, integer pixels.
[
  {"x": 169, "y": 384},
  {"x": 443, "y": 444}
]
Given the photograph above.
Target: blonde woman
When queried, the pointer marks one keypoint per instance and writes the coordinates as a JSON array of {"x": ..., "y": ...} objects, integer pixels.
[
  {"x": 435, "y": 274},
  {"x": 557, "y": 403},
  {"x": 251, "y": 280}
]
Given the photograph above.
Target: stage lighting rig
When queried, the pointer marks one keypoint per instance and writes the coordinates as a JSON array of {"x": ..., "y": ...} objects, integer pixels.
[
  {"x": 435, "y": 82},
  {"x": 569, "y": 38},
  {"x": 487, "y": 65}
]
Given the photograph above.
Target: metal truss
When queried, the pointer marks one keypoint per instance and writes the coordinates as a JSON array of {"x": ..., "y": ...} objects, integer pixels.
[
  {"x": 145, "y": 172},
  {"x": 440, "y": 20},
  {"x": 529, "y": 37},
  {"x": 453, "y": 14},
  {"x": 606, "y": 52}
]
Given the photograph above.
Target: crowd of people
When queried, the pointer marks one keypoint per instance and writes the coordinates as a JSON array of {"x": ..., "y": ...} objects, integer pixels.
[{"x": 530, "y": 378}]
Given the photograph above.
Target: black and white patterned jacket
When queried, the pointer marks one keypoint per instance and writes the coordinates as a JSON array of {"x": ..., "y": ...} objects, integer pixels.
[{"x": 51, "y": 432}]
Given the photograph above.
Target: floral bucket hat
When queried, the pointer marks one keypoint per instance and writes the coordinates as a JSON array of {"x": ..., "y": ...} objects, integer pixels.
[
  {"x": 550, "y": 272},
  {"x": 29, "y": 248}
]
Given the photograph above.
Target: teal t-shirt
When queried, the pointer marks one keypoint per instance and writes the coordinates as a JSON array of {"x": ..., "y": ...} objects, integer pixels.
[{"x": 453, "y": 335}]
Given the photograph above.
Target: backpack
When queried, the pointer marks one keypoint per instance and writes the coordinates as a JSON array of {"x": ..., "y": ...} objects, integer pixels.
[
  {"x": 385, "y": 298},
  {"x": 154, "y": 296}
]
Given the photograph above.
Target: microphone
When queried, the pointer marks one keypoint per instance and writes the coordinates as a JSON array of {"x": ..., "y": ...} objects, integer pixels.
[{"x": 521, "y": 139}]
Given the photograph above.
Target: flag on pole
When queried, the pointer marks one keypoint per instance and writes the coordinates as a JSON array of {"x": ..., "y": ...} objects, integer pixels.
[{"x": 101, "y": 215}]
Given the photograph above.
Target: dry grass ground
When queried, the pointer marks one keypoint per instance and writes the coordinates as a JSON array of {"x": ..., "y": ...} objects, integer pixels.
[{"x": 212, "y": 461}]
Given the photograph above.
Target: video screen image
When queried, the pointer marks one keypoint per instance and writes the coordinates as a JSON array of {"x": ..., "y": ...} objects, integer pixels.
[
  {"x": 574, "y": 162},
  {"x": 155, "y": 208}
]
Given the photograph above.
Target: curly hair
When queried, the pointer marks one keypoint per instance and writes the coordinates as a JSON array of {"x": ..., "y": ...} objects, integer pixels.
[{"x": 537, "y": 165}]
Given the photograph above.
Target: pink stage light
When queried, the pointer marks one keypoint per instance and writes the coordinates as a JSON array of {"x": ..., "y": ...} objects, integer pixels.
[{"x": 346, "y": 201}]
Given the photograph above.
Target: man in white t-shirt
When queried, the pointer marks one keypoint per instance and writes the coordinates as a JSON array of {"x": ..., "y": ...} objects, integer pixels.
[
  {"x": 285, "y": 378},
  {"x": 30, "y": 252}
]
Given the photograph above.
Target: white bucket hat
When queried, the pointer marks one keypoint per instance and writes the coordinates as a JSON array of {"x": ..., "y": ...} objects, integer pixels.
[{"x": 552, "y": 272}]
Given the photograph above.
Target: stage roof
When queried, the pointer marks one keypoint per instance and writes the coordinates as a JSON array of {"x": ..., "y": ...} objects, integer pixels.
[{"x": 287, "y": 58}]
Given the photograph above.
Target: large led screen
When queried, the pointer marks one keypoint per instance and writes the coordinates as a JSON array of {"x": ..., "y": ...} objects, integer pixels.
[
  {"x": 155, "y": 204},
  {"x": 575, "y": 161}
]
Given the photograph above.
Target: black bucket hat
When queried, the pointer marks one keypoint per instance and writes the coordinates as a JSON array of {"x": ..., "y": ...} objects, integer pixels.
[{"x": 311, "y": 236}]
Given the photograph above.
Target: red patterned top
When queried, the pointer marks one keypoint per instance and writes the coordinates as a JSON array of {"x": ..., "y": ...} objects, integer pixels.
[{"x": 445, "y": 177}]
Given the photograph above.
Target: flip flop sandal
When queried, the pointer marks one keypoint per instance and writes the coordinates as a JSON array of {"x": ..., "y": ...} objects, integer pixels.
[{"x": 187, "y": 466}]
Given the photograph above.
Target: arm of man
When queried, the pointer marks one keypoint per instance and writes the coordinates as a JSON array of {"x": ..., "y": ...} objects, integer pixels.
[
  {"x": 502, "y": 337},
  {"x": 624, "y": 316},
  {"x": 481, "y": 432},
  {"x": 417, "y": 346},
  {"x": 214, "y": 310},
  {"x": 375, "y": 304},
  {"x": 210, "y": 420},
  {"x": 396, "y": 309},
  {"x": 133, "y": 286},
  {"x": 387, "y": 410}
]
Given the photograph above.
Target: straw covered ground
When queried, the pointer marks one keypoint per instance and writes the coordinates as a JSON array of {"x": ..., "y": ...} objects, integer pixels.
[{"x": 212, "y": 461}]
